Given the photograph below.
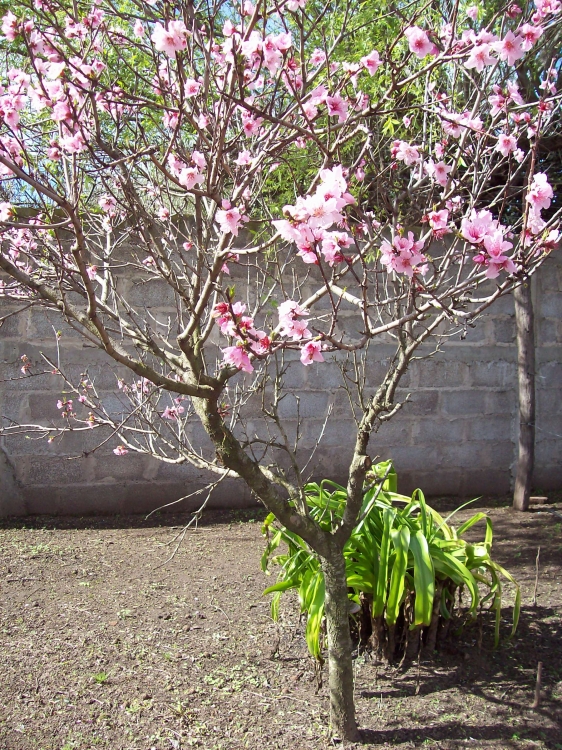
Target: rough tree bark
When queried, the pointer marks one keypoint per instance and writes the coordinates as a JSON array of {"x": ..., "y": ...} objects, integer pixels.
[
  {"x": 524, "y": 319},
  {"x": 340, "y": 665}
]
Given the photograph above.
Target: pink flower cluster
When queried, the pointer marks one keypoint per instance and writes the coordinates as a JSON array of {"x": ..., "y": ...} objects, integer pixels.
[
  {"x": 188, "y": 176},
  {"x": 488, "y": 235},
  {"x": 289, "y": 314},
  {"x": 539, "y": 198},
  {"x": 311, "y": 217},
  {"x": 233, "y": 323},
  {"x": 230, "y": 219},
  {"x": 403, "y": 255},
  {"x": 171, "y": 39},
  {"x": 173, "y": 412}
]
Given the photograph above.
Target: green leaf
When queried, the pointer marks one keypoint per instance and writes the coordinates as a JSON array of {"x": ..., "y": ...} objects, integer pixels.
[
  {"x": 424, "y": 580},
  {"x": 401, "y": 542},
  {"x": 379, "y": 601}
]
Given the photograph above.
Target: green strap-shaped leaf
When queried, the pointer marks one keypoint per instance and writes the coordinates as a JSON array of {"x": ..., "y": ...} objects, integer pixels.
[
  {"x": 458, "y": 572},
  {"x": 379, "y": 600},
  {"x": 315, "y": 613},
  {"x": 401, "y": 541},
  {"x": 424, "y": 580}
]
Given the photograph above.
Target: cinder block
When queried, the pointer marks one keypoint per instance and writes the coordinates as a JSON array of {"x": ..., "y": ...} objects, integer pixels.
[
  {"x": 413, "y": 458},
  {"x": 431, "y": 483},
  {"x": 549, "y": 332},
  {"x": 551, "y": 304},
  {"x": 493, "y": 374},
  {"x": 422, "y": 402},
  {"x": 504, "y": 331},
  {"x": 151, "y": 293},
  {"x": 55, "y": 470},
  {"x": 440, "y": 430},
  {"x": 112, "y": 468},
  {"x": 312, "y": 404},
  {"x": 88, "y": 500},
  {"x": 550, "y": 375},
  {"x": 500, "y": 402},
  {"x": 486, "y": 429},
  {"x": 14, "y": 406},
  {"x": 549, "y": 402},
  {"x": 465, "y": 402},
  {"x": 439, "y": 371},
  {"x": 548, "y": 452}
]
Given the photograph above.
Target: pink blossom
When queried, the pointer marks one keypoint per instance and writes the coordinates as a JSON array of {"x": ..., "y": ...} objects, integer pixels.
[
  {"x": 317, "y": 57},
  {"x": 244, "y": 158},
  {"x": 514, "y": 10},
  {"x": 172, "y": 413},
  {"x": 73, "y": 144},
  {"x": 439, "y": 171},
  {"x": 497, "y": 260},
  {"x": 92, "y": 272},
  {"x": 170, "y": 40},
  {"x": 237, "y": 356},
  {"x": 107, "y": 203},
  {"x": 251, "y": 125},
  {"x": 189, "y": 177},
  {"x": 120, "y": 450},
  {"x": 311, "y": 352},
  {"x": 10, "y": 26},
  {"x": 438, "y": 222},
  {"x": 6, "y": 211},
  {"x": 191, "y": 87},
  {"x": 546, "y": 7},
  {"x": 199, "y": 159},
  {"x": 138, "y": 28},
  {"x": 477, "y": 226},
  {"x": 510, "y": 48},
  {"x": 289, "y": 312},
  {"x": 405, "y": 152},
  {"x": 294, "y": 5},
  {"x": 472, "y": 12},
  {"x": 541, "y": 193},
  {"x": 337, "y": 107},
  {"x": 480, "y": 56},
  {"x": 418, "y": 41},
  {"x": 506, "y": 144},
  {"x": 229, "y": 221},
  {"x": 530, "y": 35},
  {"x": 371, "y": 62},
  {"x": 403, "y": 255}
]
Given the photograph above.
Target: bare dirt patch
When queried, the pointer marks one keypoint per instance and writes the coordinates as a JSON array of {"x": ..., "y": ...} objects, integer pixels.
[{"x": 104, "y": 646}]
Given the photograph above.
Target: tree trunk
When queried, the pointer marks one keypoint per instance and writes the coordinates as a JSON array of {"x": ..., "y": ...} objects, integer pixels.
[
  {"x": 524, "y": 319},
  {"x": 340, "y": 665}
]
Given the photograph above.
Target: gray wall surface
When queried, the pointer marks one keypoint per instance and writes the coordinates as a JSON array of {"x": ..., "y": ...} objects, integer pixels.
[{"x": 457, "y": 435}]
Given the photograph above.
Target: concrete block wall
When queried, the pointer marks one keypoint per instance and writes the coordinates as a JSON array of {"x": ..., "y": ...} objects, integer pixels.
[{"x": 456, "y": 435}]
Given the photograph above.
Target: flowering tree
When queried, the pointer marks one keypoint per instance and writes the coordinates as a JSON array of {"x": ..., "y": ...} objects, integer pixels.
[{"x": 154, "y": 138}]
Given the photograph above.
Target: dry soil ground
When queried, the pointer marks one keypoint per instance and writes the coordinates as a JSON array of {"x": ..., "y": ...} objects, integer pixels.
[{"x": 104, "y": 644}]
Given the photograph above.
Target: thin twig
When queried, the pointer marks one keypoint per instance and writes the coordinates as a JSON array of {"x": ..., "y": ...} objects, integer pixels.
[
  {"x": 537, "y": 700},
  {"x": 534, "y": 602}
]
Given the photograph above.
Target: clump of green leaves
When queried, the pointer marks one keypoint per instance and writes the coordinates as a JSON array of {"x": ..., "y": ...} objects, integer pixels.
[{"x": 406, "y": 566}]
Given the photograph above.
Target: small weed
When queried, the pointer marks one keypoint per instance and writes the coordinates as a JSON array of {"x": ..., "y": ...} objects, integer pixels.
[{"x": 100, "y": 678}]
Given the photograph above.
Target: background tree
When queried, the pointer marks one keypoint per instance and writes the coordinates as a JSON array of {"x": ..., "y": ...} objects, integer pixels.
[{"x": 148, "y": 138}]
